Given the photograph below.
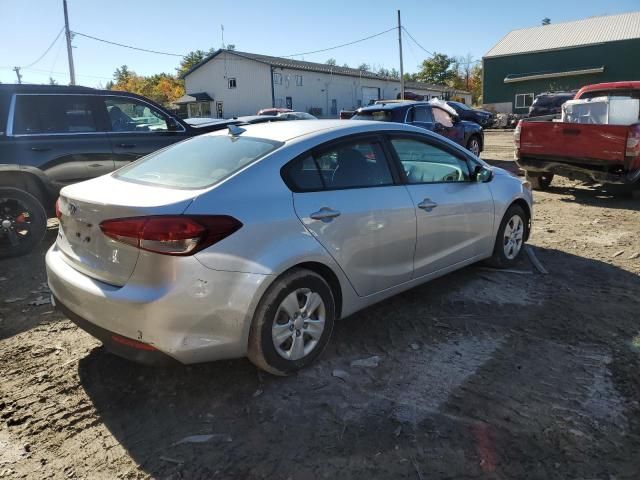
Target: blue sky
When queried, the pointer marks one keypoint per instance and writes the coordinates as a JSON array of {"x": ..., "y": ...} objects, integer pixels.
[{"x": 277, "y": 28}]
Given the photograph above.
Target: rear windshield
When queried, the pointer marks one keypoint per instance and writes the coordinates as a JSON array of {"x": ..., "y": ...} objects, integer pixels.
[
  {"x": 379, "y": 115},
  {"x": 198, "y": 162}
]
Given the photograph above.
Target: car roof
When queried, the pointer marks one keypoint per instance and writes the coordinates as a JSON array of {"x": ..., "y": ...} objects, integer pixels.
[
  {"x": 286, "y": 131},
  {"x": 390, "y": 106}
]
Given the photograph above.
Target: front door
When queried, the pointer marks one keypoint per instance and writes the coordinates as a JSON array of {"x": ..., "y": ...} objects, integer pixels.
[
  {"x": 347, "y": 199},
  {"x": 61, "y": 135},
  {"x": 137, "y": 129},
  {"x": 454, "y": 214}
]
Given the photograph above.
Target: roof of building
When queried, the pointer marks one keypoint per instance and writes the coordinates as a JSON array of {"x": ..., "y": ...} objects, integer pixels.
[
  {"x": 589, "y": 31},
  {"x": 193, "y": 97},
  {"x": 280, "y": 62}
]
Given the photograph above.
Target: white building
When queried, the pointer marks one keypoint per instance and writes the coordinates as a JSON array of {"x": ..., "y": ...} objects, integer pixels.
[{"x": 229, "y": 83}]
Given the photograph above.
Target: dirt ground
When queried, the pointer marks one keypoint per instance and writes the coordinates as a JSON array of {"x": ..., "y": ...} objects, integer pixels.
[{"x": 480, "y": 374}]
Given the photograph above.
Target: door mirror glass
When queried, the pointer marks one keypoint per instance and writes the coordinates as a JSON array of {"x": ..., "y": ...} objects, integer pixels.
[
  {"x": 481, "y": 174},
  {"x": 172, "y": 124}
]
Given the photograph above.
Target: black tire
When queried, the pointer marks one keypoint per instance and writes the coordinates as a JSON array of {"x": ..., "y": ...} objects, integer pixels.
[
  {"x": 473, "y": 143},
  {"x": 539, "y": 181},
  {"x": 19, "y": 237},
  {"x": 499, "y": 258},
  {"x": 261, "y": 349}
]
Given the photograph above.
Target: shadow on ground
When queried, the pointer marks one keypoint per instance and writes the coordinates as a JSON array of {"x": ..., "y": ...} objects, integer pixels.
[{"x": 480, "y": 373}]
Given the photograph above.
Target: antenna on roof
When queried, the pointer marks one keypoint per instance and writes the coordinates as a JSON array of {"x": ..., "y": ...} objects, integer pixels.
[{"x": 234, "y": 130}]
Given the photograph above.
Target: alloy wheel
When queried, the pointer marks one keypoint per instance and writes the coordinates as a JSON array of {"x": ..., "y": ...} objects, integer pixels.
[{"x": 513, "y": 236}]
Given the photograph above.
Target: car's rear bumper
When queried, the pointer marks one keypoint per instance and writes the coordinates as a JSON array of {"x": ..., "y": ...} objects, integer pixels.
[
  {"x": 190, "y": 313},
  {"x": 598, "y": 172}
]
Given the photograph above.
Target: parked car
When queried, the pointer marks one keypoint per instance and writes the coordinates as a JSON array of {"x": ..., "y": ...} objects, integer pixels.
[
  {"x": 273, "y": 111},
  {"x": 549, "y": 103},
  {"x": 190, "y": 262},
  {"x": 481, "y": 117},
  {"x": 346, "y": 114},
  {"x": 608, "y": 154},
  {"x": 52, "y": 136},
  {"x": 435, "y": 116},
  {"x": 297, "y": 116}
]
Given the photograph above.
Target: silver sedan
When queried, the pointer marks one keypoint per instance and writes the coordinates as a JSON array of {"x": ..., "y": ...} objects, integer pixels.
[{"x": 253, "y": 241}]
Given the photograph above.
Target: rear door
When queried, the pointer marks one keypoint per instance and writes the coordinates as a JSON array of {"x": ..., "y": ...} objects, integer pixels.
[
  {"x": 346, "y": 197},
  {"x": 445, "y": 126},
  {"x": 137, "y": 128},
  {"x": 454, "y": 215},
  {"x": 61, "y": 135}
]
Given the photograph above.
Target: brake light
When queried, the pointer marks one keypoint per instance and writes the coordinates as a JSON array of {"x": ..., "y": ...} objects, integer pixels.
[
  {"x": 516, "y": 136},
  {"x": 171, "y": 234},
  {"x": 58, "y": 212},
  {"x": 632, "y": 151}
]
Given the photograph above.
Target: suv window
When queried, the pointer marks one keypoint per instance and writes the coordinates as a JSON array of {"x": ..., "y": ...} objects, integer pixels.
[
  {"x": 347, "y": 165},
  {"x": 442, "y": 117},
  {"x": 426, "y": 163},
  {"x": 43, "y": 114},
  {"x": 379, "y": 115},
  {"x": 130, "y": 115},
  {"x": 422, "y": 114}
]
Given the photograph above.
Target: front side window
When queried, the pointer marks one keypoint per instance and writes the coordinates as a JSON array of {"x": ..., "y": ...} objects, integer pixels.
[
  {"x": 45, "y": 114},
  {"x": 524, "y": 100},
  {"x": 426, "y": 163},
  {"x": 442, "y": 117},
  {"x": 198, "y": 162},
  {"x": 422, "y": 114},
  {"x": 130, "y": 115},
  {"x": 348, "y": 165},
  {"x": 277, "y": 78}
]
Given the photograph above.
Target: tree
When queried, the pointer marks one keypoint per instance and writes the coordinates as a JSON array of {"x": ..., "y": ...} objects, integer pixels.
[
  {"x": 394, "y": 73},
  {"x": 364, "y": 67},
  {"x": 437, "y": 69},
  {"x": 52, "y": 81},
  {"x": 345, "y": 65},
  {"x": 546, "y": 21},
  {"x": 231, "y": 46},
  {"x": 163, "y": 88},
  {"x": 193, "y": 58},
  {"x": 331, "y": 61},
  {"x": 122, "y": 74},
  {"x": 475, "y": 84}
]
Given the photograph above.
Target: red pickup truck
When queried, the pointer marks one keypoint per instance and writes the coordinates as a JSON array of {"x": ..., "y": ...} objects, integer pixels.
[{"x": 607, "y": 154}]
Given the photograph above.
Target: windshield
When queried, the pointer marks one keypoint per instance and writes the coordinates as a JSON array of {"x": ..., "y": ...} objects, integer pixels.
[
  {"x": 462, "y": 106},
  {"x": 198, "y": 162},
  {"x": 378, "y": 115}
]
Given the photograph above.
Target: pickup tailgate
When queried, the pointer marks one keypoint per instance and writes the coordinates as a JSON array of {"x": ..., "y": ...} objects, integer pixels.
[{"x": 581, "y": 143}]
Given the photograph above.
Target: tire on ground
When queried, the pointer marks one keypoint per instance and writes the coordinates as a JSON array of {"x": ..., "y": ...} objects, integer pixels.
[
  {"x": 38, "y": 223},
  {"x": 499, "y": 258},
  {"x": 474, "y": 138},
  {"x": 539, "y": 181},
  {"x": 261, "y": 349}
]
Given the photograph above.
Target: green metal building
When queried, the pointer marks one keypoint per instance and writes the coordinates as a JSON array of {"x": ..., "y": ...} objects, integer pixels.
[{"x": 560, "y": 57}]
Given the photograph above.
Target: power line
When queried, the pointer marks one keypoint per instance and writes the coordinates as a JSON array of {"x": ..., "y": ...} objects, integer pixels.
[
  {"x": 339, "y": 46},
  {"x": 416, "y": 42},
  {"x": 46, "y": 51},
  {"x": 127, "y": 46}
]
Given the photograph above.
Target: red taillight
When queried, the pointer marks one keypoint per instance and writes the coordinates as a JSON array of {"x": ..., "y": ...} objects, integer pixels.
[
  {"x": 516, "y": 136},
  {"x": 132, "y": 343},
  {"x": 58, "y": 213},
  {"x": 632, "y": 151},
  {"x": 171, "y": 234}
]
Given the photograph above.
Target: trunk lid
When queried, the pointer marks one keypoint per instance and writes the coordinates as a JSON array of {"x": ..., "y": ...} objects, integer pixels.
[{"x": 84, "y": 205}]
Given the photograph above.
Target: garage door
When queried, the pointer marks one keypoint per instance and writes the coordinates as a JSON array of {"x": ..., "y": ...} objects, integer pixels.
[{"x": 370, "y": 95}]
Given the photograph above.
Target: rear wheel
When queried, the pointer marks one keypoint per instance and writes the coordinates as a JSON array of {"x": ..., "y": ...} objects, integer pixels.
[
  {"x": 293, "y": 323},
  {"x": 473, "y": 145},
  {"x": 539, "y": 181},
  {"x": 510, "y": 240},
  {"x": 23, "y": 222}
]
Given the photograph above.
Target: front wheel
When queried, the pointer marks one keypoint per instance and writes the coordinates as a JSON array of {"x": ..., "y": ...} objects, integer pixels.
[
  {"x": 23, "y": 222},
  {"x": 511, "y": 236},
  {"x": 293, "y": 323},
  {"x": 473, "y": 145},
  {"x": 539, "y": 181}
]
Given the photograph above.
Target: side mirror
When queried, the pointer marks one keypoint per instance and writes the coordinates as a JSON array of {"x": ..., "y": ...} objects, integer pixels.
[
  {"x": 481, "y": 174},
  {"x": 455, "y": 118},
  {"x": 172, "y": 124}
]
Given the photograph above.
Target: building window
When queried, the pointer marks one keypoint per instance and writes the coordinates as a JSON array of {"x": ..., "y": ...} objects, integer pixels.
[
  {"x": 524, "y": 100},
  {"x": 277, "y": 78},
  {"x": 298, "y": 80},
  {"x": 232, "y": 83}
]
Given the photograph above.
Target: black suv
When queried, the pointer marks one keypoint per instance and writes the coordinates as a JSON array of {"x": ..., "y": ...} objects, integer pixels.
[
  {"x": 52, "y": 136},
  {"x": 549, "y": 103}
]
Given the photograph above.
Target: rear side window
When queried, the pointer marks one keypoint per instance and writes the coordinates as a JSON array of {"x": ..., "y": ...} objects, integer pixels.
[
  {"x": 422, "y": 114},
  {"x": 377, "y": 115},
  {"x": 43, "y": 114},
  {"x": 198, "y": 162},
  {"x": 347, "y": 165}
]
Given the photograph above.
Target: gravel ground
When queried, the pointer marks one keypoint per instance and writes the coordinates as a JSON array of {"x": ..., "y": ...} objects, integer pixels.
[{"x": 480, "y": 374}]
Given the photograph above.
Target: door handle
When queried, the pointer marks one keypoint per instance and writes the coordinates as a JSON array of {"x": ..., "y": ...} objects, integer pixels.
[
  {"x": 95, "y": 165},
  {"x": 325, "y": 214},
  {"x": 127, "y": 145},
  {"x": 427, "y": 205},
  {"x": 40, "y": 149}
]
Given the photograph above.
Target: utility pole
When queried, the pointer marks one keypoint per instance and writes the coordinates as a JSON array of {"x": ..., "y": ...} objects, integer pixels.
[
  {"x": 17, "y": 70},
  {"x": 401, "y": 66},
  {"x": 72, "y": 70}
]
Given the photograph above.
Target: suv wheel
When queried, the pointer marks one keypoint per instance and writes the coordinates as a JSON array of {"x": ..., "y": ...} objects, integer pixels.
[
  {"x": 293, "y": 323},
  {"x": 23, "y": 222},
  {"x": 539, "y": 181},
  {"x": 473, "y": 145}
]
